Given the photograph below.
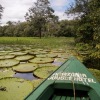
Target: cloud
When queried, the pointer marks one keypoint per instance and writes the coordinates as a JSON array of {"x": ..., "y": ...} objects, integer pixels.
[
  {"x": 60, "y": 6},
  {"x": 15, "y": 10},
  {"x": 63, "y": 16}
]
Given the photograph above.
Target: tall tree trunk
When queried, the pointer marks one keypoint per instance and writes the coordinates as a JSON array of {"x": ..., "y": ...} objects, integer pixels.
[{"x": 40, "y": 32}]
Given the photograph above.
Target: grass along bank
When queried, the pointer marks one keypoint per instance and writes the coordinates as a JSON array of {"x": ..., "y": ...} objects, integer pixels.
[
  {"x": 50, "y": 42},
  {"x": 64, "y": 43}
]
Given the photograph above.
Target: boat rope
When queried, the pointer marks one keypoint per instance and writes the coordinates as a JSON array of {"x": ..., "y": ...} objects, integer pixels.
[{"x": 73, "y": 89}]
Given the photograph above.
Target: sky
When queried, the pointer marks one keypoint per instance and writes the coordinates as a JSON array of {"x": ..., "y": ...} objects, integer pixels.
[{"x": 15, "y": 10}]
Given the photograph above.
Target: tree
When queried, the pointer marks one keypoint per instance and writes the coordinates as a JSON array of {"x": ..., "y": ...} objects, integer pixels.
[
  {"x": 79, "y": 8},
  {"x": 66, "y": 28},
  {"x": 88, "y": 31},
  {"x": 40, "y": 14},
  {"x": 1, "y": 10}
]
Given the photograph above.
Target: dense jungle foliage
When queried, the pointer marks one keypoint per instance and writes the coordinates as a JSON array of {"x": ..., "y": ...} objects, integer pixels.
[{"x": 88, "y": 30}]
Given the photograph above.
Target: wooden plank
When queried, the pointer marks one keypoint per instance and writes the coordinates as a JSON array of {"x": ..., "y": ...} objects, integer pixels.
[
  {"x": 54, "y": 97},
  {"x": 72, "y": 98},
  {"x": 78, "y": 98},
  {"x": 85, "y": 98},
  {"x": 68, "y": 98},
  {"x": 58, "y": 98},
  {"x": 63, "y": 98}
]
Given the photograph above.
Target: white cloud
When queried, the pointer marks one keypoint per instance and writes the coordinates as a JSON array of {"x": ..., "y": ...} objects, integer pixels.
[
  {"x": 57, "y": 3},
  {"x": 15, "y": 10},
  {"x": 63, "y": 16}
]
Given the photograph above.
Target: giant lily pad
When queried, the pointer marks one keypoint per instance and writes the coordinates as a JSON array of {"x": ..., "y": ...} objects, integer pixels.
[
  {"x": 63, "y": 55},
  {"x": 37, "y": 82},
  {"x": 8, "y": 63},
  {"x": 44, "y": 72},
  {"x": 24, "y": 58},
  {"x": 6, "y": 73},
  {"x": 51, "y": 55},
  {"x": 58, "y": 51},
  {"x": 18, "y": 53},
  {"x": 27, "y": 67},
  {"x": 47, "y": 65},
  {"x": 59, "y": 60},
  {"x": 41, "y": 60},
  {"x": 3, "y": 53},
  {"x": 14, "y": 88},
  {"x": 6, "y": 57},
  {"x": 41, "y": 55}
]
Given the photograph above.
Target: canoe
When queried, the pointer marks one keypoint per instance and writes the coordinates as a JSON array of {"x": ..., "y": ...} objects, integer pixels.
[{"x": 71, "y": 81}]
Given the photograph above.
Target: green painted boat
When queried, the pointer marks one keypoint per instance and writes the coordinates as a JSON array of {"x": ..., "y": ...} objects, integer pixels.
[{"x": 71, "y": 81}]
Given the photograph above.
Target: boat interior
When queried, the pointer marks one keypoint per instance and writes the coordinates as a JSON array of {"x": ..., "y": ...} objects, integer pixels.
[{"x": 59, "y": 92}]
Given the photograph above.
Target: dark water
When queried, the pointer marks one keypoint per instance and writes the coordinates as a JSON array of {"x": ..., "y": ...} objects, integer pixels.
[
  {"x": 57, "y": 63},
  {"x": 28, "y": 76}
]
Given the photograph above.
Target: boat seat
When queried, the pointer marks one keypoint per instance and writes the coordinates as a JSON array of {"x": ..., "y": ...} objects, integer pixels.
[
  {"x": 69, "y": 98},
  {"x": 62, "y": 94}
]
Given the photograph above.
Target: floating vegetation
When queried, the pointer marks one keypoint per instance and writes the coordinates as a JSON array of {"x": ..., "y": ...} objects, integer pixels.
[
  {"x": 96, "y": 73},
  {"x": 51, "y": 55},
  {"x": 58, "y": 51},
  {"x": 24, "y": 68},
  {"x": 64, "y": 55},
  {"x": 18, "y": 53},
  {"x": 6, "y": 73},
  {"x": 44, "y": 72},
  {"x": 8, "y": 63},
  {"x": 59, "y": 60},
  {"x": 14, "y": 88},
  {"x": 41, "y": 56},
  {"x": 3, "y": 53},
  {"x": 41, "y": 60},
  {"x": 37, "y": 82},
  {"x": 47, "y": 65},
  {"x": 6, "y": 57},
  {"x": 24, "y": 58}
]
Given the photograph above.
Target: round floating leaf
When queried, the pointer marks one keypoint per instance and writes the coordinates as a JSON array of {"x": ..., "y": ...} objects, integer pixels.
[
  {"x": 38, "y": 49},
  {"x": 24, "y": 58},
  {"x": 59, "y": 60},
  {"x": 14, "y": 88},
  {"x": 37, "y": 82},
  {"x": 27, "y": 67},
  {"x": 40, "y": 52},
  {"x": 47, "y": 50},
  {"x": 7, "y": 57},
  {"x": 44, "y": 72},
  {"x": 47, "y": 65},
  {"x": 63, "y": 55},
  {"x": 18, "y": 53},
  {"x": 8, "y": 63},
  {"x": 41, "y": 56},
  {"x": 6, "y": 73},
  {"x": 3, "y": 53},
  {"x": 31, "y": 53},
  {"x": 51, "y": 55},
  {"x": 58, "y": 51},
  {"x": 41, "y": 60}
]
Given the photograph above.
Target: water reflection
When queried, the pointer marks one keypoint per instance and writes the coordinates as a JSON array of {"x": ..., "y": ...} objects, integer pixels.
[
  {"x": 57, "y": 63},
  {"x": 28, "y": 76}
]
